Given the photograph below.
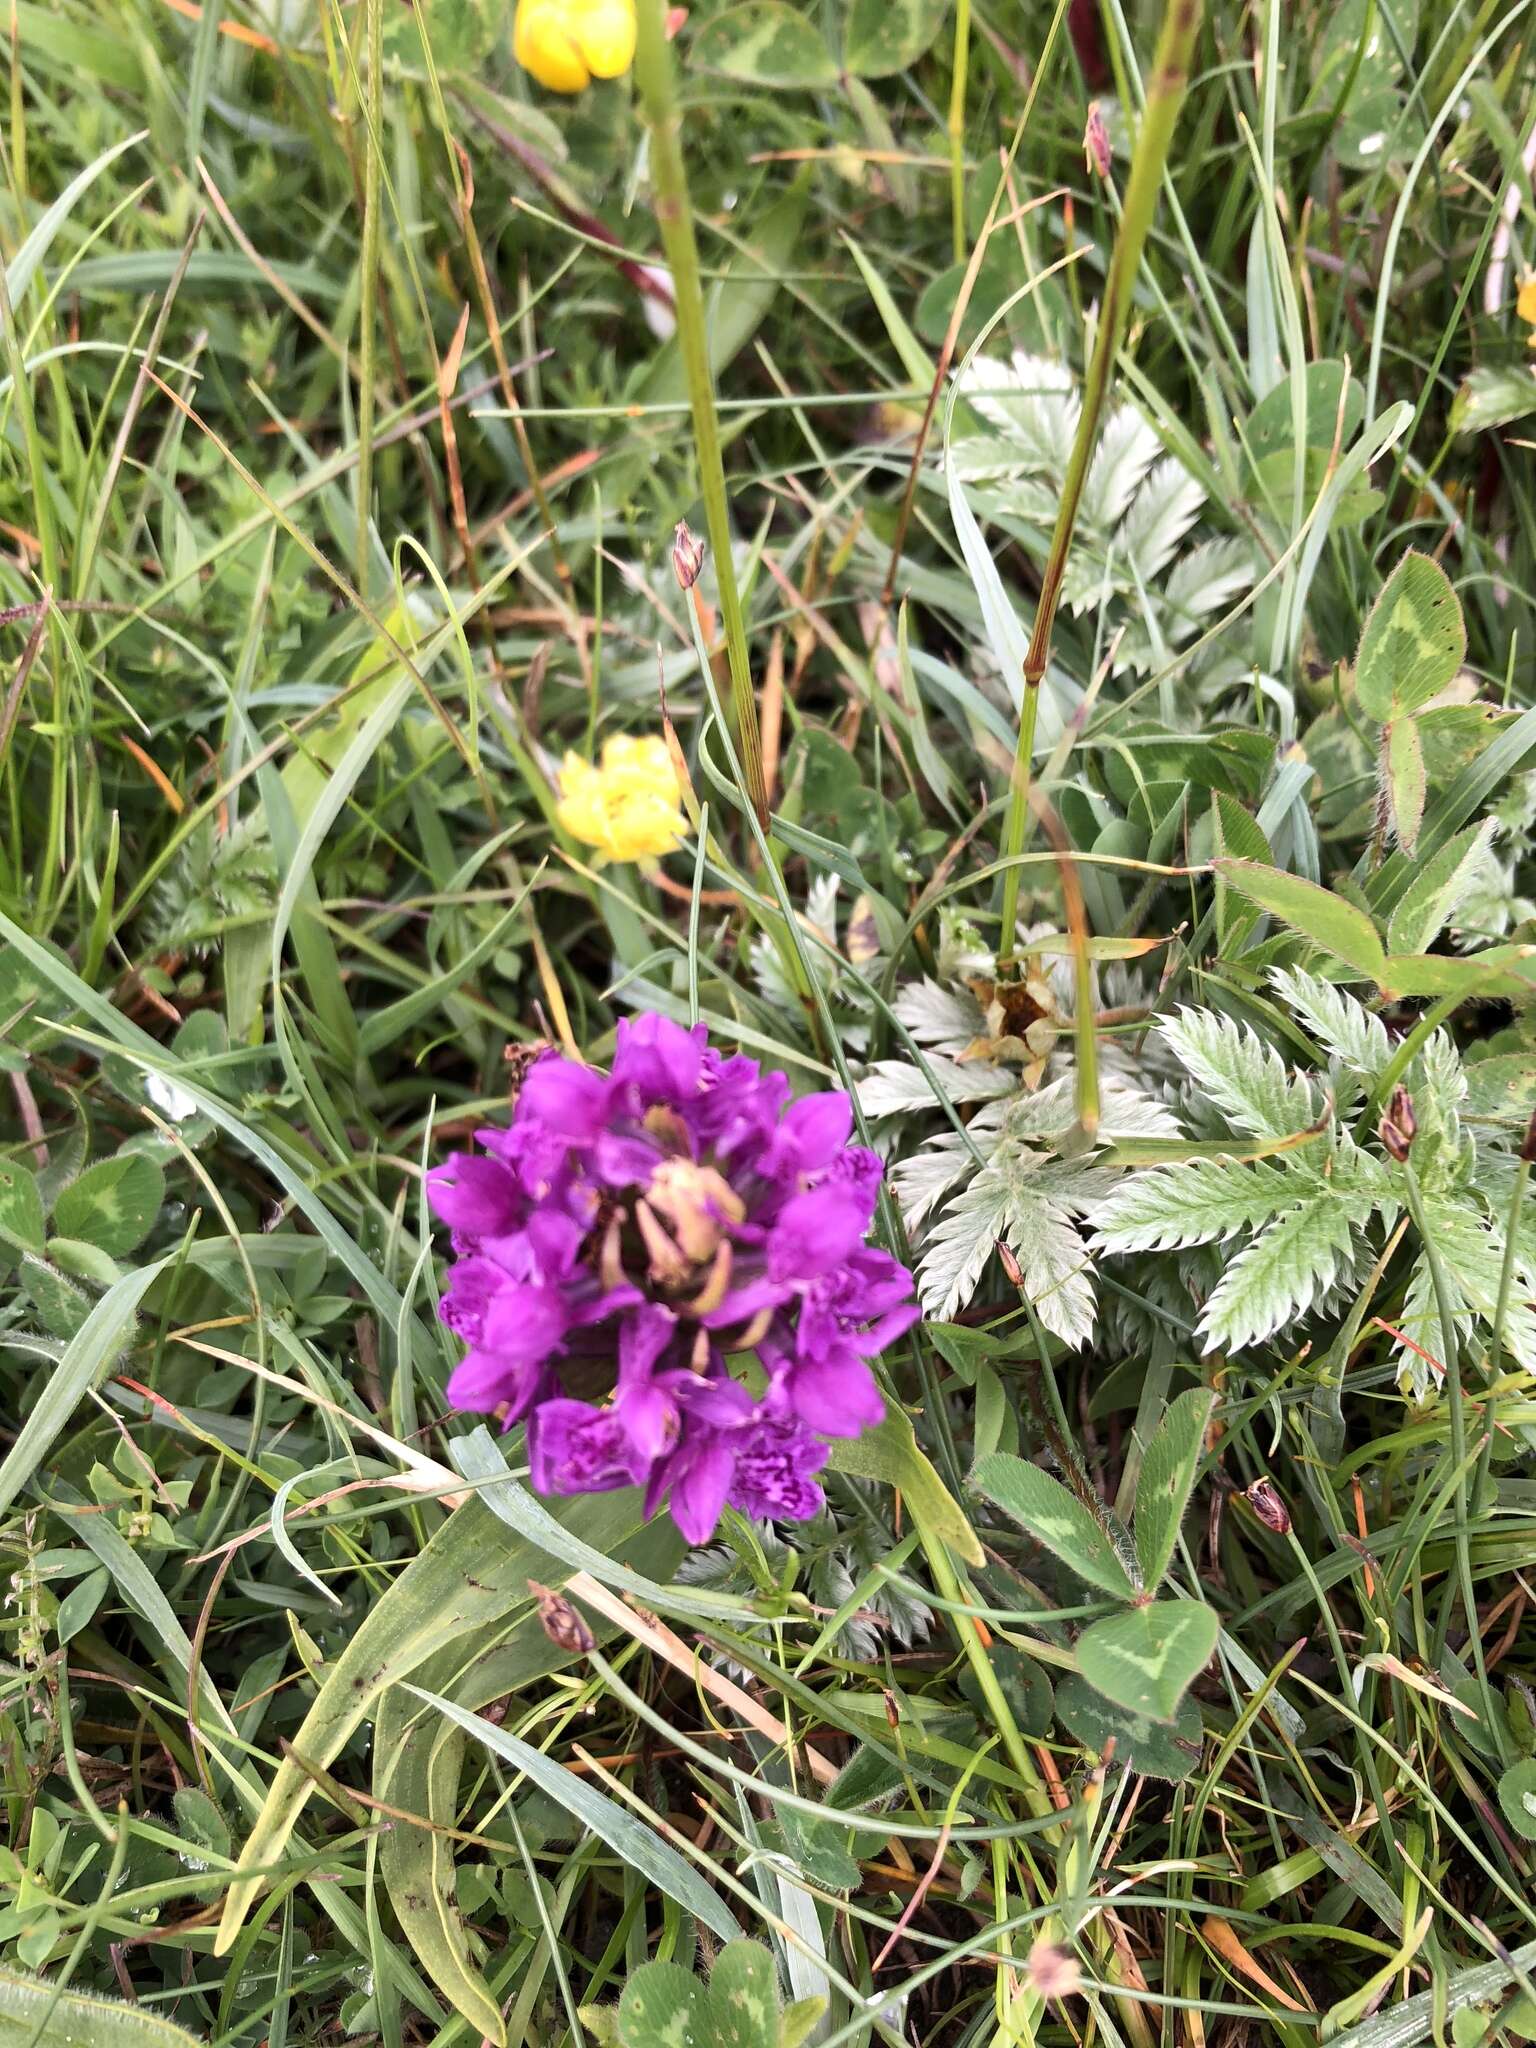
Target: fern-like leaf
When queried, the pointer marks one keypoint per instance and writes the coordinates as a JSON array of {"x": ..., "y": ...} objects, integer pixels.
[
  {"x": 1345, "y": 1029},
  {"x": 957, "y": 1248},
  {"x": 1204, "y": 1202},
  {"x": 1245, "y": 1078},
  {"x": 898, "y": 1087},
  {"x": 945, "y": 1018},
  {"x": 1209, "y": 577},
  {"x": 1127, "y": 449},
  {"x": 1031, "y": 400},
  {"x": 1422, "y": 1348},
  {"x": 1165, "y": 508},
  {"x": 1471, "y": 1254},
  {"x": 1056, "y": 1264},
  {"x": 1280, "y": 1276}
]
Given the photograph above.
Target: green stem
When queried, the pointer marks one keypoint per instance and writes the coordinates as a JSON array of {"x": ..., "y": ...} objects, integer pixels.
[
  {"x": 674, "y": 217},
  {"x": 957, "y": 123},
  {"x": 1165, "y": 96},
  {"x": 1404, "y": 1054},
  {"x": 373, "y": 148},
  {"x": 1445, "y": 1310},
  {"x": 47, "y": 876},
  {"x": 1000, "y": 1714},
  {"x": 778, "y": 926},
  {"x": 1511, "y": 1255}
]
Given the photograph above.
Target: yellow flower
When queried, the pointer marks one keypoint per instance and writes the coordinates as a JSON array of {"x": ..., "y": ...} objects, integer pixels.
[
  {"x": 627, "y": 807},
  {"x": 1525, "y": 304},
  {"x": 568, "y": 43}
]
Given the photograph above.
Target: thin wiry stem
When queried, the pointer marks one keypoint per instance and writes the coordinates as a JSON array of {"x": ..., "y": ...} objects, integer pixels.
[
  {"x": 1165, "y": 96},
  {"x": 674, "y": 216},
  {"x": 373, "y": 145},
  {"x": 957, "y": 125}
]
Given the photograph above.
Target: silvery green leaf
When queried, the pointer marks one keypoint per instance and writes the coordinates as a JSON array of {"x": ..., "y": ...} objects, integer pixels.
[
  {"x": 898, "y": 1087},
  {"x": 1245, "y": 1078},
  {"x": 1205, "y": 1201},
  {"x": 1031, "y": 400},
  {"x": 1127, "y": 449},
  {"x": 1284, "y": 1272},
  {"x": 1345, "y": 1029},
  {"x": 1207, "y": 578},
  {"x": 957, "y": 1248},
  {"x": 1166, "y": 507},
  {"x": 921, "y": 1182},
  {"x": 946, "y": 1018}
]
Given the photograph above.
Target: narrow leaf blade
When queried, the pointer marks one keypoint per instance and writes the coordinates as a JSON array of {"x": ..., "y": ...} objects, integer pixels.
[
  {"x": 49, "y": 2016},
  {"x": 1322, "y": 918},
  {"x": 1167, "y": 1479},
  {"x": 1043, "y": 1506},
  {"x": 1434, "y": 890},
  {"x": 624, "y": 1832},
  {"x": 469, "y": 1577},
  {"x": 891, "y": 1455},
  {"x": 87, "y": 1358}
]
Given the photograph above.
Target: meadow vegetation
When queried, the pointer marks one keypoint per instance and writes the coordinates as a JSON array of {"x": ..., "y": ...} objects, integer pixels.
[{"x": 985, "y": 554}]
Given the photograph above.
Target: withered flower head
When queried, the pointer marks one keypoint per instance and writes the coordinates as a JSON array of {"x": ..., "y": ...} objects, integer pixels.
[
  {"x": 687, "y": 556},
  {"x": 1052, "y": 1972},
  {"x": 561, "y": 1622},
  {"x": 1264, "y": 1499},
  {"x": 1399, "y": 1126}
]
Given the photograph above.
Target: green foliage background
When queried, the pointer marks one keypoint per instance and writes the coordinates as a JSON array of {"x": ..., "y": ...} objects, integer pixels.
[{"x": 1161, "y": 1670}]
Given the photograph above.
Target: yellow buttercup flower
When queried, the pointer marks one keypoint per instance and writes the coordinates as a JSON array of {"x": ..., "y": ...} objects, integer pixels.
[
  {"x": 627, "y": 807},
  {"x": 568, "y": 43},
  {"x": 1525, "y": 305}
]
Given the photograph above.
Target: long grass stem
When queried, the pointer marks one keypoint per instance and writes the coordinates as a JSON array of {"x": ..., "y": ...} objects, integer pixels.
[
  {"x": 674, "y": 217},
  {"x": 1165, "y": 95}
]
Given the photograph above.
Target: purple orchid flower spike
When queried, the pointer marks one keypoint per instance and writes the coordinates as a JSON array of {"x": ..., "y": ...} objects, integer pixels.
[{"x": 640, "y": 1228}]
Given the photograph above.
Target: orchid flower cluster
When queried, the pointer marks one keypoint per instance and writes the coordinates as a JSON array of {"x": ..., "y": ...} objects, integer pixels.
[{"x": 631, "y": 1232}]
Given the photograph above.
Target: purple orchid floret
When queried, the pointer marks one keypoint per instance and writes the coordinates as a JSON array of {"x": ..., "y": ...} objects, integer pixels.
[{"x": 640, "y": 1228}]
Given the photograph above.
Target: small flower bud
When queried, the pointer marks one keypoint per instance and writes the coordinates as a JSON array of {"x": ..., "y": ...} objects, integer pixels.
[
  {"x": 1010, "y": 1265},
  {"x": 1528, "y": 1145},
  {"x": 892, "y": 1711},
  {"x": 1399, "y": 1126},
  {"x": 1096, "y": 142},
  {"x": 1271, "y": 1510},
  {"x": 560, "y": 1621},
  {"x": 520, "y": 1061},
  {"x": 1052, "y": 1972},
  {"x": 687, "y": 556},
  {"x": 863, "y": 941}
]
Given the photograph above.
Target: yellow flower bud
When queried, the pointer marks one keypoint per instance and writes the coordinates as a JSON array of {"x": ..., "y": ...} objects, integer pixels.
[
  {"x": 627, "y": 807},
  {"x": 606, "y": 32},
  {"x": 565, "y": 44}
]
